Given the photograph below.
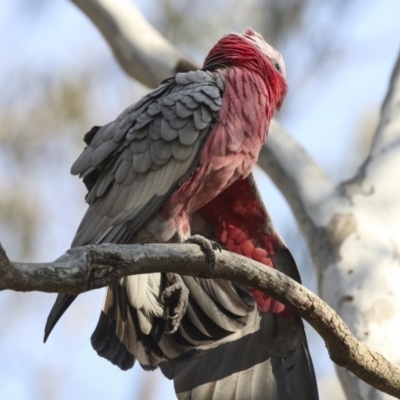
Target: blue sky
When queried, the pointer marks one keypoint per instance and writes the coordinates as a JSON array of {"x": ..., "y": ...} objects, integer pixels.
[{"x": 324, "y": 116}]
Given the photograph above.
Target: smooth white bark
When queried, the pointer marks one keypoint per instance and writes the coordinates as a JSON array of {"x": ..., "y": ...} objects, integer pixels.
[
  {"x": 366, "y": 270},
  {"x": 139, "y": 48},
  {"x": 303, "y": 183}
]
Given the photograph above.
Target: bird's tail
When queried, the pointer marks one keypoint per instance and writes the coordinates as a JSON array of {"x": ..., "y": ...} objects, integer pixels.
[
  {"x": 119, "y": 335},
  {"x": 269, "y": 359}
]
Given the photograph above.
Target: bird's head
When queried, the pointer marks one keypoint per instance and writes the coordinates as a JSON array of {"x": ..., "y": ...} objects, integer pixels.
[
  {"x": 273, "y": 55},
  {"x": 250, "y": 50}
]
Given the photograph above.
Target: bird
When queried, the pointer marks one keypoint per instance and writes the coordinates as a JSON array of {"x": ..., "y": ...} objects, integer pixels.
[{"x": 174, "y": 167}]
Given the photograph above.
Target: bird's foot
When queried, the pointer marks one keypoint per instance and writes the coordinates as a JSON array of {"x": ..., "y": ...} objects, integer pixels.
[
  {"x": 175, "y": 297},
  {"x": 208, "y": 246}
]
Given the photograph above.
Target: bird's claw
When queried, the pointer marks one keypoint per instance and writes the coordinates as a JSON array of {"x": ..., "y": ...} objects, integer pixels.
[
  {"x": 208, "y": 246},
  {"x": 175, "y": 297}
]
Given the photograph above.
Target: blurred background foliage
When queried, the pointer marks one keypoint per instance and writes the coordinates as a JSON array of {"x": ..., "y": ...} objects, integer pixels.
[{"x": 58, "y": 78}]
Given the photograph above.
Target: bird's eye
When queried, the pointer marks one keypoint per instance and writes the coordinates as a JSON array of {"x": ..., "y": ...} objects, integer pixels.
[{"x": 277, "y": 66}]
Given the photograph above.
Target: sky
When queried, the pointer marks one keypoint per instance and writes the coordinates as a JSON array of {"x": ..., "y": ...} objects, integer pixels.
[{"x": 324, "y": 117}]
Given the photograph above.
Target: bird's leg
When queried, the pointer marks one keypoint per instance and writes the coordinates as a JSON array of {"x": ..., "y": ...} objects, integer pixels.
[
  {"x": 208, "y": 247},
  {"x": 175, "y": 296}
]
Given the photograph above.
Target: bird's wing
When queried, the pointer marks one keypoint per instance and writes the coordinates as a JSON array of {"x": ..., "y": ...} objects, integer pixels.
[
  {"x": 224, "y": 347},
  {"x": 233, "y": 350},
  {"x": 260, "y": 361},
  {"x": 131, "y": 165}
]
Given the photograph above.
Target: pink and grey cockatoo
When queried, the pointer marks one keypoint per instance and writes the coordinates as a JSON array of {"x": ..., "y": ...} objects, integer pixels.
[{"x": 175, "y": 164}]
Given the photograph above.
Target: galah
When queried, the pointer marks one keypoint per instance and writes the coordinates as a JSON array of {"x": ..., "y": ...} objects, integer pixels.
[{"x": 175, "y": 164}]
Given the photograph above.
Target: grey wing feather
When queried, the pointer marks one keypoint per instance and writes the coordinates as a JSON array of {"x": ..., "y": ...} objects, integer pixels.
[
  {"x": 157, "y": 140},
  {"x": 116, "y": 332},
  {"x": 238, "y": 353},
  {"x": 248, "y": 364},
  {"x": 221, "y": 313},
  {"x": 130, "y": 169}
]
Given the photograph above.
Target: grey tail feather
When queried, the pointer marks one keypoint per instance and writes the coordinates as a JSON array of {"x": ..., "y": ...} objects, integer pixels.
[
  {"x": 117, "y": 337},
  {"x": 309, "y": 367},
  {"x": 107, "y": 344},
  {"x": 248, "y": 367},
  {"x": 60, "y": 306}
]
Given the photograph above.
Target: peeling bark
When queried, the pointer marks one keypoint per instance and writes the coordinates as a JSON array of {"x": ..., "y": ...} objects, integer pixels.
[{"x": 339, "y": 228}]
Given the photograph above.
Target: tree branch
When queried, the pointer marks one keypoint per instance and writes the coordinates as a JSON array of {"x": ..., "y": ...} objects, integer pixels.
[
  {"x": 95, "y": 266},
  {"x": 385, "y": 146},
  {"x": 365, "y": 239},
  {"x": 387, "y": 132},
  {"x": 296, "y": 175},
  {"x": 140, "y": 49}
]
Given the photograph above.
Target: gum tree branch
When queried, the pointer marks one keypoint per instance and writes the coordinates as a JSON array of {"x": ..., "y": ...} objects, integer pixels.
[
  {"x": 85, "y": 268},
  {"x": 140, "y": 49},
  {"x": 361, "y": 241},
  {"x": 296, "y": 175},
  {"x": 387, "y": 132}
]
